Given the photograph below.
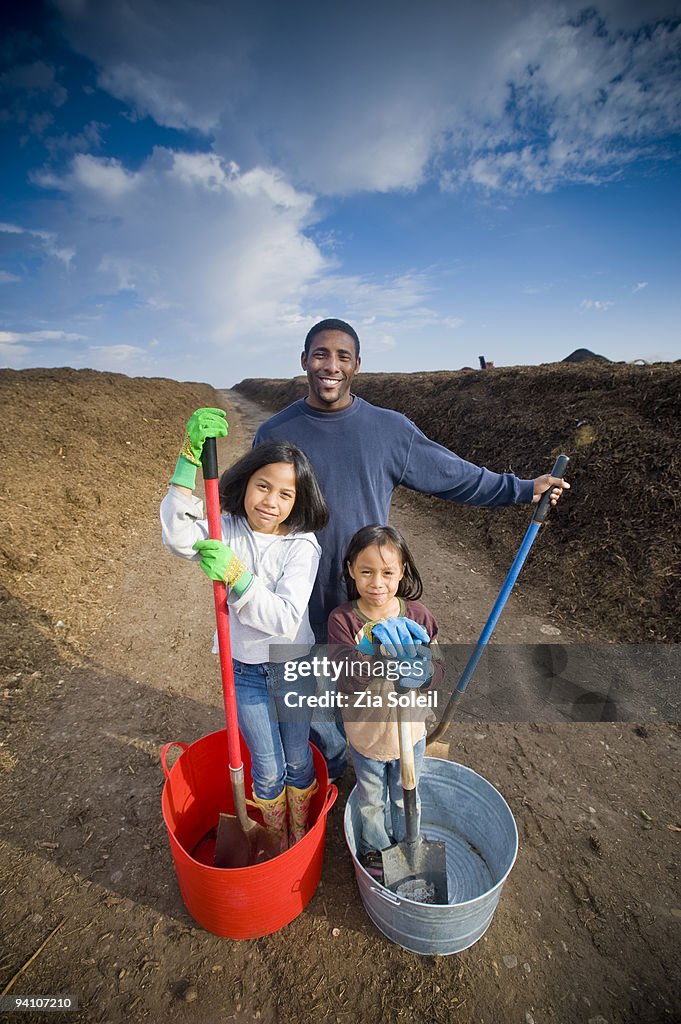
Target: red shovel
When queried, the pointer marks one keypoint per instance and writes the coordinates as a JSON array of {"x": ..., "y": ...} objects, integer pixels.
[{"x": 240, "y": 841}]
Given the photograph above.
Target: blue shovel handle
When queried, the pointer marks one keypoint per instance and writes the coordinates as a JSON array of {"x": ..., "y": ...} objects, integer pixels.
[{"x": 538, "y": 518}]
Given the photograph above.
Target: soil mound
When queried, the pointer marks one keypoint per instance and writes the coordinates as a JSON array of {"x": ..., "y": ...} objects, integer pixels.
[
  {"x": 85, "y": 456},
  {"x": 616, "y": 569},
  {"x": 584, "y": 355}
]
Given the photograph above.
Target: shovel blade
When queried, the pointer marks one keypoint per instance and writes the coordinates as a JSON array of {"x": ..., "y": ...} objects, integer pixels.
[
  {"x": 232, "y": 847},
  {"x": 417, "y": 871},
  {"x": 239, "y": 847}
]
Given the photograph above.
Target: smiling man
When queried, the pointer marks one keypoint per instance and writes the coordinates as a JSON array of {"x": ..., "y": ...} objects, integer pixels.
[
  {"x": 331, "y": 360},
  {"x": 360, "y": 454}
]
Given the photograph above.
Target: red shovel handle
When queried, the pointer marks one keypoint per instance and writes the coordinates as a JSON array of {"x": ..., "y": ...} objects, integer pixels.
[{"x": 209, "y": 463}]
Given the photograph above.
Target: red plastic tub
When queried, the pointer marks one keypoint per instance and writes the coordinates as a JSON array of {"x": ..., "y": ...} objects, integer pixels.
[{"x": 237, "y": 903}]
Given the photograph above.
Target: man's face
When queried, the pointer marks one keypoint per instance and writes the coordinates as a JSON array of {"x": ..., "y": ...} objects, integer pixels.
[{"x": 330, "y": 365}]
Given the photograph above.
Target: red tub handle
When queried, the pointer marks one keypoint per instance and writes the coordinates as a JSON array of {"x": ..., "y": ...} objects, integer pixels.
[
  {"x": 329, "y": 800},
  {"x": 164, "y": 752}
]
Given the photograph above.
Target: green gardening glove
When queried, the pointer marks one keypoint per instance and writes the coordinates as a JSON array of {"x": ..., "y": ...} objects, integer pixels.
[
  {"x": 201, "y": 424},
  {"x": 219, "y": 562}
]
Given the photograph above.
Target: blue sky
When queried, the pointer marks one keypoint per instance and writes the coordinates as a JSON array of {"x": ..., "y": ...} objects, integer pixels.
[{"x": 189, "y": 186}]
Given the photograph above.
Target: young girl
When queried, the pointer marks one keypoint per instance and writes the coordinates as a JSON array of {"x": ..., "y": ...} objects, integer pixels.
[
  {"x": 383, "y": 583},
  {"x": 268, "y": 559}
]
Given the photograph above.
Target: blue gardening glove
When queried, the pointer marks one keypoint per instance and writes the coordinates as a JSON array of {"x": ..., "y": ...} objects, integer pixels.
[
  {"x": 397, "y": 636},
  {"x": 416, "y": 672},
  {"x": 365, "y": 646},
  {"x": 201, "y": 424},
  {"x": 219, "y": 562}
]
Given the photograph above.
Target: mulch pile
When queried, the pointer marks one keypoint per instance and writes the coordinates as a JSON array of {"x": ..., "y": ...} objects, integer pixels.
[
  {"x": 614, "y": 564},
  {"x": 85, "y": 458}
]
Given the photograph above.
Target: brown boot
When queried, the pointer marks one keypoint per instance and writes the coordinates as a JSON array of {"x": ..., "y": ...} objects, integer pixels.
[
  {"x": 274, "y": 817},
  {"x": 299, "y": 809}
]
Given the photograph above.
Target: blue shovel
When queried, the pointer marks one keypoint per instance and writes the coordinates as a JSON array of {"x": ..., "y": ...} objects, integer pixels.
[{"x": 538, "y": 518}]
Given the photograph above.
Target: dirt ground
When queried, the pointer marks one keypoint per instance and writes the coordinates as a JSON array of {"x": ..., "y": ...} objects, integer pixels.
[{"x": 106, "y": 656}]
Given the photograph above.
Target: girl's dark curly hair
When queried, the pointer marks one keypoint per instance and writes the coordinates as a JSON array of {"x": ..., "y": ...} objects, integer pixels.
[
  {"x": 410, "y": 586},
  {"x": 309, "y": 510}
]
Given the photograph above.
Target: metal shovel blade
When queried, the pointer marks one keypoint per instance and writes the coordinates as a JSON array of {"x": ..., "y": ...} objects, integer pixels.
[
  {"x": 232, "y": 847},
  {"x": 241, "y": 842},
  {"x": 237, "y": 846},
  {"x": 416, "y": 871}
]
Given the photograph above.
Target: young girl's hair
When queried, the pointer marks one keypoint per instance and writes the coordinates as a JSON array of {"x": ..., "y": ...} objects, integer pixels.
[
  {"x": 410, "y": 586},
  {"x": 309, "y": 510}
]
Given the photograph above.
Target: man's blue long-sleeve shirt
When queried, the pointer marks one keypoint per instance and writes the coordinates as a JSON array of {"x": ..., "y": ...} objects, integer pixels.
[{"x": 360, "y": 455}]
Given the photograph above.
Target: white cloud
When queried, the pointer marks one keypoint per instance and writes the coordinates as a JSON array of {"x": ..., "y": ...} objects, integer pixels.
[
  {"x": 639, "y": 287},
  {"x": 105, "y": 176},
  {"x": 204, "y": 169},
  {"x": 7, "y": 278},
  {"x": 182, "y": 66},
  {"x": 199, "y": 256},
  {"x": 48, "y": 241},
  {"x": 452, "y": 322},
  {"x": 210, "y": 172},
  {"x": 155, "y": 95},
  {"x": 89, "y": 137},
  {"x": 217, "y": 266},
  {"x": 12, "y": 337},
  {"x": 121, "y": 270},
  {"x": 13, "y": 355},
  {"x": 369, "y": 298},
  {"x": 271, "y": 183},
  {"x": 599, "y": 305},
  {"x": 19, "y": 348},
  {"x": 538, "y": 289},
  {"x": 118, "y": 353},
  {"x": 500, "y": 96},
  {"x": 403, "y": 304}
]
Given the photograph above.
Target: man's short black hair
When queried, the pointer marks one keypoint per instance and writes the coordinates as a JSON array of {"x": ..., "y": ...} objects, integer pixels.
[{"x": 332, "y": 325}]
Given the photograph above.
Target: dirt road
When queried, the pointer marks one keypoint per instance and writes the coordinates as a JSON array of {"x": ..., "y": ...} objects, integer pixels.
[{"x": 588, "y": 926}]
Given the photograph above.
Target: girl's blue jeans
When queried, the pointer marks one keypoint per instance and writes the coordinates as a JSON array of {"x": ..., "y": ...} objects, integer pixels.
[
  {"x": 380, "y": 801},
  {"x": 277, "y": 736}
]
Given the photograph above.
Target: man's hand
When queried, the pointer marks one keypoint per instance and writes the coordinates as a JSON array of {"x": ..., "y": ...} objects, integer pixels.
[
  {"x": 543, "y": 483},
  {"x": 201, "y": 424}
]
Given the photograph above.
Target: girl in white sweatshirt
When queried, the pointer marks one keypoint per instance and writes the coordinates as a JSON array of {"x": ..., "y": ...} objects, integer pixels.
[{"x": 268, "y": 558}]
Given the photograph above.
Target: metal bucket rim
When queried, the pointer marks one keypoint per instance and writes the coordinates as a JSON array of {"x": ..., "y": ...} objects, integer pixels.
[{"x": 404, "y": 899}]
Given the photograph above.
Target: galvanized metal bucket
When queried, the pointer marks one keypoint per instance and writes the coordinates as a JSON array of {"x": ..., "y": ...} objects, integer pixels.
[{"x": 477, "y": 826}]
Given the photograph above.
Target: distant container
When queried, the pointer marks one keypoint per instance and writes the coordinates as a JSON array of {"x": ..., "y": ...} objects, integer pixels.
[{"x": 477, "y": 826}]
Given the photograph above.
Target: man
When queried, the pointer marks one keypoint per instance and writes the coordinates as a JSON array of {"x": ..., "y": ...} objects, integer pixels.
[{"x": 360, "y": 454}]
